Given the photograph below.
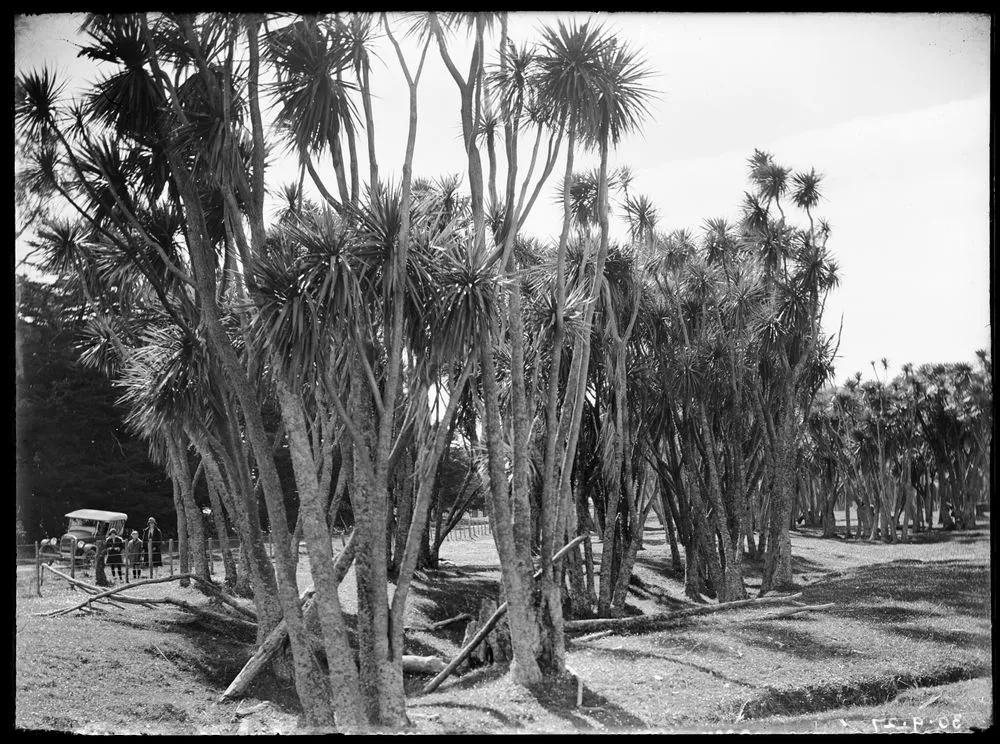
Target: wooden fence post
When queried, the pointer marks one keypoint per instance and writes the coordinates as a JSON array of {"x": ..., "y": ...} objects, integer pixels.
[
  {"x": 170, "y": 551},
  {"x": 72, "y": 561},
  {"x": 38, "y": 569},
  {"x": 211, "y": 558},
  {"x": 149, "y": 555}
]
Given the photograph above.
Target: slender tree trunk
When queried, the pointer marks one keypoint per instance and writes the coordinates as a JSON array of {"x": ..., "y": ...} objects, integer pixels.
[
  {"x": 343, "y": 674},
  {"x": 182, "y": 535},
  {"x": 778, "y": 560},
  {"x": 518, "y": 578}
]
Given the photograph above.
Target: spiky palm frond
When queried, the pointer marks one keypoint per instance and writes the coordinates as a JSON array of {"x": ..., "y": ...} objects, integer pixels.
[
  {"x": 36, "y": 103},
  {"x": 583, "y": 194},
  {"x": 304, "y": 286},
  {"x": 110, "y": 174},
  {"x": 568, "y": 74},
  {"x": 465, "y": 302},
  {"x": 65, "y": 246},
  {"x": 496, "y": 214},
  {"x": 511, "y": 81},
  {"x": 212, "y": 131},
  {"x": 361, "y": 32},
  {"x": 624, "y": 97},
  {"x": 167, "y": 381},
  {"x": 42, "y": 172},
  {"x": 772, "y": 182},
  {"x": 542, "y": 315},
  {"x": 805, "y": 189},
  {"x": 312, "y": 102},
  {"x": 128, "y": 101},
  {"x": 672, "y": 252},
  {"x": 642, "y": 216},
  {"x": 754, "y": 213},
  {"x": 814, "y": 268},
  {"x": 98, "y": 348},
  {"x": 720, "y": 240}
]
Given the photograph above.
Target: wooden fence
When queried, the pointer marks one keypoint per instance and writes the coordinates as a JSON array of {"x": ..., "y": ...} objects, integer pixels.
[{"x": 163, "y": 558}]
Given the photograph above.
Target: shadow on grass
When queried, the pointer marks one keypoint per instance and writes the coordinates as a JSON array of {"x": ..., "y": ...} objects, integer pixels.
[
  {"x": 753, "y": 567},
  {"x": 961, "y": 586},
  {"x": 779, "y": 635},
  {"x": 931, "y": 537},
  {"x": 961, "y": 638},
  {"x": 212, "y": 653},
  {"x": 454, "y": 595},
  {"x": 559, "y": 698},
  {"x": 476, "y": 677},
  {"x": 502, "y": 718},
  {"x": 639, "y": 657},
  {"x": 662, "y": 565}
]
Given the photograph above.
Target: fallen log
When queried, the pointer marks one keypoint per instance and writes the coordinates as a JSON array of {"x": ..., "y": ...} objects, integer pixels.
[
  {"x": 116, "y": 590},
  {"x": 485, "y": 629},
  {"x": 225, "y": 620},
  {"x": 267, "y": 650},
  {"x": 276, "y": 638},
  {"x": 422, "y": 664},
  {"x": 666, "y": 618},
  {"x": 450, "y": 621},
  {"x": 225, "y": 598},
  {"x": 792, "y": 611},
  {"x": 91, "y": 589}
]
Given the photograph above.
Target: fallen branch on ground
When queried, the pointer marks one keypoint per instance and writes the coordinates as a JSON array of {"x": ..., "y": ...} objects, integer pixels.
[
  {"x": 442, "y": 623},
  {"x": 116, "y": 590},
  {"x": 665, "y": 618},
  {"x": 790, "y": 612},
  {"x": 227, "y": 620},
  {"x": 276, "y": 638},
  {"x": 94, "y": 590},
  {"x": 445, "y": 623},
  {"x": 264, "y": 653},
  {"x": 225, "y": 598},
  {"x": 422, "y": 664},
  {"x": 593, "y": 636},
  {"x": 489, "y": 624}
]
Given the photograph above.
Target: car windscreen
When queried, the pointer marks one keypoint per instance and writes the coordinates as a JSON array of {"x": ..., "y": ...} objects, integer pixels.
[{"x": 82, "y": 525}]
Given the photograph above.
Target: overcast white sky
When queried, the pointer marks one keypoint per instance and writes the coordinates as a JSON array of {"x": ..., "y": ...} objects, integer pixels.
[{"x": 892, "y": 109}]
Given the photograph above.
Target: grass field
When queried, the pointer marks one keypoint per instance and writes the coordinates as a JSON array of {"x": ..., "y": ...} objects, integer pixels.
[{"x": 907, "y": 645}]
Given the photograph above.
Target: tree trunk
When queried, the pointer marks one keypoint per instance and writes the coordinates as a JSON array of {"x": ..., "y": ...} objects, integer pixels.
[
  {"x": 516, "y": 574},
  {"x": 182, "y": 534},
  {"x": 218, "y": 516},
  {"x": 343, "y": 674},
  {"x": 778, "y": 560},
  {"x": 193, "y": 517}
]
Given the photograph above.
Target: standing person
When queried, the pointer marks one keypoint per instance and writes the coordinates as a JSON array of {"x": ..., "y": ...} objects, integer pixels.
[
  {"x": 115, "y": 547},
  {"x": 153, "y": 535},
  {"x": 133, "y": 554}
]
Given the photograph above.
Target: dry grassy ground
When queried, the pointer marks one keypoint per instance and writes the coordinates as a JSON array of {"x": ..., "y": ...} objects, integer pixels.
[{"x": 909, "y": 639}]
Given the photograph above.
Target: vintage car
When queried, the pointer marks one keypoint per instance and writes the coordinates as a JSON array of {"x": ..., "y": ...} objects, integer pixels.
[{"x": 84, "y": 528}]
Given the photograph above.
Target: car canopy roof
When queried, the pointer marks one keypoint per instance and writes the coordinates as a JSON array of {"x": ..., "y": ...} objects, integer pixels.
[{"x": 98, "y": 515}]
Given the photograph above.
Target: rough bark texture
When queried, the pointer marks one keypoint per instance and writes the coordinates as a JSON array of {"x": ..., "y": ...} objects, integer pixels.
[{"x": 343, "y": 674}]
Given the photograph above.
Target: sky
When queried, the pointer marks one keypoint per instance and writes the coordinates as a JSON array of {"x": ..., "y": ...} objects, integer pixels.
[{"x": 892, "y": 109}]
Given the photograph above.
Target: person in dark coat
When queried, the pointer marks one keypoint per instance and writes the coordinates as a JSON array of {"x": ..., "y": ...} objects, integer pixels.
[
  {"x": 153, "y": 535},
  {"x": 115, "y": 548},
  {"x": 134, "y": 554}
]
